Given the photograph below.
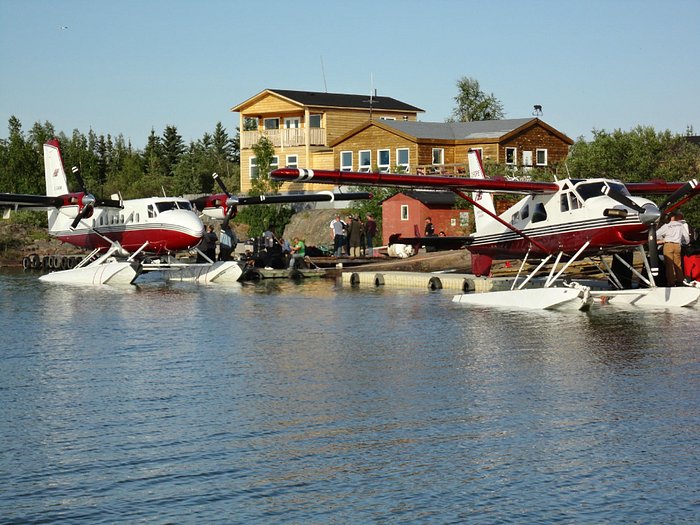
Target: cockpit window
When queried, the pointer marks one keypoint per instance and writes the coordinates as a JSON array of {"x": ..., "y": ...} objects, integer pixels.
[
  {"x": 590, "y": 190},
  {"x": 595, "y": 189},
  {"x": 173, "y": 205}
]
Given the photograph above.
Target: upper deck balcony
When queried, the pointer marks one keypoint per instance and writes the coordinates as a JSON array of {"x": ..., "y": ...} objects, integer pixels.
[{"x": 285, "y": 137}]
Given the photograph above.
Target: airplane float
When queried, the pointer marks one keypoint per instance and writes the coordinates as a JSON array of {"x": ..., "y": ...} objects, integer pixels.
[
  {"x": 565, "y": 220},
  {"x": 121, "y": 232}
]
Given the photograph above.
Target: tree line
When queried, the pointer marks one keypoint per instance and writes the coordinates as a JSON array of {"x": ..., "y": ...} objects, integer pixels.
[
  {"x": 110, "y": 165},
  {"x": 167, "y": 164}
]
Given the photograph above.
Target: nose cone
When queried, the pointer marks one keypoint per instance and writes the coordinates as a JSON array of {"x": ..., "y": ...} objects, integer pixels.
[
  {"x": 187, "y": 227},
  {"x": 650, "y": 215}
]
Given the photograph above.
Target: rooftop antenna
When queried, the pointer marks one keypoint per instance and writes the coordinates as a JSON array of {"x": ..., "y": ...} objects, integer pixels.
[
  {"x": 371, "y": 93},
  {"x": 323, "y": 72}
]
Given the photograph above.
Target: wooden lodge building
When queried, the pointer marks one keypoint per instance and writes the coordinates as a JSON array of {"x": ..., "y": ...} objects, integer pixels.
[
  {"x": 361, "y": 133},
  {"x": 319, "y": 130},
  {"x": 302, "y": 125}
]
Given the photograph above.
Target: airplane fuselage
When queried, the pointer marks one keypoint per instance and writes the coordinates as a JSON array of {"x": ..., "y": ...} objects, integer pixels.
[
  {"x": 166, "y": 224},
  {"x": 563, "y": 222}
]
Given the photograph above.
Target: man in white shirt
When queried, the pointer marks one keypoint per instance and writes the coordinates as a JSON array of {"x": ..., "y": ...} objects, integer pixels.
[{"x": 672, "y": 235}]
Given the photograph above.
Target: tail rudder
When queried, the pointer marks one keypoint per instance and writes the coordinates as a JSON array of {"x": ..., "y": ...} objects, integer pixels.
[
  {"x": 476, "y": 171},
  {"x": 56, "y": 181}
]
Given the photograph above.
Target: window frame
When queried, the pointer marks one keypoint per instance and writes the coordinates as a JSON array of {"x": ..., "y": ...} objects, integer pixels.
[
  {"x": 271, "y": 119},
  {"x": 404, "y": 212},
  {"x": 345, "y": 167},
  {"x": 441, "y": 152},
  {"x": 289, "y": 164},
  {"x": 514, "y": 156},
  {"x": 384, "y": 167},
  {"x": 364, "y": 168},
  {"x": 537, "y": 156},
  {"x": 408, "y": 158},
  {"x": 312, "y": 118}
]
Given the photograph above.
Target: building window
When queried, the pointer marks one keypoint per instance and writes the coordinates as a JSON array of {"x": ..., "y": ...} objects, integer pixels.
[
  {"x": 292, "y": 122},
  {"x": 271, "y": 123},
  {"x": 402, "y": 159},
  {"x": 253, "y": 166},
  {"x": 438, "y": 156},
  {"x": 250, "y": 124},
  {"x": 346, "y": 161},
  {"x": 383, "y": 160},
  {"x": 292, "y": 161},
  {"x": 314, "y": 121},
  {"x": 387, "y": 118},
  {"x": 511, "y": 155},
  {"x": 541, "y": 158},
  {"x": 365, "y": 160},
  {"x": 404, "y": 212}
]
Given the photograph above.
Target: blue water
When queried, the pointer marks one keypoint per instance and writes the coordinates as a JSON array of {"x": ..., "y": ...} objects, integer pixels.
[{"x": 321, "y": 403}]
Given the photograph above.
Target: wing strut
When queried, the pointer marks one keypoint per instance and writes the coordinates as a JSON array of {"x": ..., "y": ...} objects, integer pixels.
[{"x": 497, "y": 218}]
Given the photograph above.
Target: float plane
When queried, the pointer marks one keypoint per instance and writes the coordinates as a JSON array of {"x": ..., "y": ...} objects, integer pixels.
[
  {"x": 561, "y": 221},
  {"x": 121, "y": 232}
]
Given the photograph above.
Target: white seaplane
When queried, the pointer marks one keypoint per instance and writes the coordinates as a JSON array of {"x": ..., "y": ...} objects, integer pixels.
[
  {"x": 120, "y": 232},
  {"x": 560, "y": 221}
]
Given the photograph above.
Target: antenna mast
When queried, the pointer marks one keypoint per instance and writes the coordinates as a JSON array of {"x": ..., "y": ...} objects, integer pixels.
[{"x": 323, "y": 72}]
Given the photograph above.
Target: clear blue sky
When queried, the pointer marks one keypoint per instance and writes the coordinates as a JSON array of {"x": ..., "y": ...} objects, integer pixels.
[{"x": 128, "y": 66}]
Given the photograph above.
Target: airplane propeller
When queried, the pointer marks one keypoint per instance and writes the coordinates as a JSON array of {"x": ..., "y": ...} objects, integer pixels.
[
  {"x": 88, "y": 201},
  {"x": 649, "y": 214},
  {"x": 231, "y": 202}
]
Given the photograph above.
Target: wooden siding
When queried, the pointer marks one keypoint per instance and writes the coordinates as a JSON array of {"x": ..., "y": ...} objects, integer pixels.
[
  {"x": 533, "y": 139},
  {"x": 272, "y": 106},
  {"x": 374, "y": 139}
]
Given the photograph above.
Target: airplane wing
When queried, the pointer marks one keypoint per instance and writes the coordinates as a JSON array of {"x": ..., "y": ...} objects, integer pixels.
[
  {"x": 304, "y": 197},
  {"x": 224, "y": 205},
  {"x": 654, "y": 187},
  {"x": 350, "y": 178},
  {"x": 18, "y": 200},
  {"x": 439, "y": 243}
]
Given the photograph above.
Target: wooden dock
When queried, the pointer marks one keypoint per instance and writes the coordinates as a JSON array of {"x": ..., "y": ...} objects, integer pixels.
[{"x": 258, "y": 274}]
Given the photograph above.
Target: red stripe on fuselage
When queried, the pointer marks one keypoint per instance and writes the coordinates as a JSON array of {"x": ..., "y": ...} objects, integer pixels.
[
  {"x": 159, "y": 240},
  {"x": 602, "y": 239}
]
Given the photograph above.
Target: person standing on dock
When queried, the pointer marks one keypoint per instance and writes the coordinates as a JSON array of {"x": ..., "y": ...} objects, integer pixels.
[
  {"x": 338, "y": 236},
  {"x": 370, "y": 231},
  {"x": 672, "y": 235},
  {"x": 355, "y": 236},
  {"x": 227, "y": 242},
  {"x": 429, "y": 228}
]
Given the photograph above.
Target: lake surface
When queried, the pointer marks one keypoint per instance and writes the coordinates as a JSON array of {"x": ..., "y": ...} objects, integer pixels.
[{"x": 321, "y": 403}]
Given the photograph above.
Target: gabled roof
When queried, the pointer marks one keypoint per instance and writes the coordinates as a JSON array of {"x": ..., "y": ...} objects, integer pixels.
[
  {"x": 334, "y": 100},
  {"x": 481, "y": 130}
]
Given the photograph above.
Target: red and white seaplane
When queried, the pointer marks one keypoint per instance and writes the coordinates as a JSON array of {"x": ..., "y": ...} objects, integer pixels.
[
  {"x": 564, "y": 220},
  {"x": 121, "y": 232}
]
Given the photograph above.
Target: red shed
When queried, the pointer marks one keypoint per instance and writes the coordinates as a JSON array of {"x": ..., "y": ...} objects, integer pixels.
[{"x": 404, "y": 211}]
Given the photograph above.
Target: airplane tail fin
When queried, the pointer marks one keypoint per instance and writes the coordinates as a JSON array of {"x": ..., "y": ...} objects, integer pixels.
[
  {"x": 476, "y": 171},
  {"x": 56, "y": 181}
]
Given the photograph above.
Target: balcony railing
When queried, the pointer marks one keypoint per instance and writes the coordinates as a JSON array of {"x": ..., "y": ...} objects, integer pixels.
[{"x": 288, "y": 137}]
